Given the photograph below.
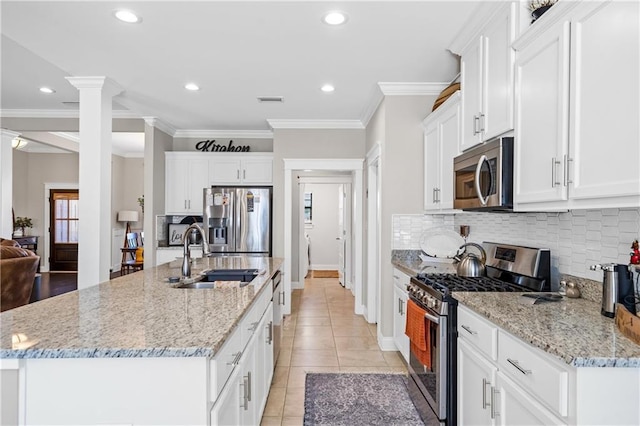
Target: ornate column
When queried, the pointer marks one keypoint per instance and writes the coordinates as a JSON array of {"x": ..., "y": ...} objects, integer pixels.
[
  {"x": 6, "y": 185},
  {"x": 94, "y": 227}
]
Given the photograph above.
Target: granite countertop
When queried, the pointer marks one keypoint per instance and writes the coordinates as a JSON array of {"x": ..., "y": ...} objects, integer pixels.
[
  {"x": 136, "y": 315},
  {"x": 572, "y": 329}
]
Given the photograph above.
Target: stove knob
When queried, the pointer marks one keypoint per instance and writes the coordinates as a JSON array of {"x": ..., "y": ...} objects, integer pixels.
[{"x": 432, "y": 303}]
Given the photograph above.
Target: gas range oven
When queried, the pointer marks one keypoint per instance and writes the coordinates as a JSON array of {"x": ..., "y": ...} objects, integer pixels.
[{"x": 433, "y": 373}]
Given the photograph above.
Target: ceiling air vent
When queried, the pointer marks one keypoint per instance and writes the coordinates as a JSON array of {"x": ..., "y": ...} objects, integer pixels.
[{"x": 271, "y": 99}]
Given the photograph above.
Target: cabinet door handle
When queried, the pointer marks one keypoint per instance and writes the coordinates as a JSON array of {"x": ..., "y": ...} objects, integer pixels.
[
  {"x": 567, "y": 160},
  {"x": 244, "y": 174},
  {"x": 468, "y": 330},
  {"x": 254, "y": 325},
  {"x": 438, "y": 194},
  {"x": 238, "y": 174},
  {"x": 494, "y": 412},
  {"x": 476, "y": 124},
  {"x": 554, "y": 172},
  {"x": 282, "y": 294},
  {"x": 482, "y": 123},
  {"x": 189, "y": 203},
  {"x": 516, "y": 364},
  {"x": 185, "y": 204},
  {"x": 485, "y": 382},
  {"x": 270, "y": 336},
  {"x": 249, "y": 386},
  {"x": 245, "y": 399}
]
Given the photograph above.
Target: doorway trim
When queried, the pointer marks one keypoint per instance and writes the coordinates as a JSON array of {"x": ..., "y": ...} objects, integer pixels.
[
  {"x": 373, "y": 233},
  {"x": 355, "y": 165},
  {"x": 48, "y": 186},
  {"x": 325, "y": 180}
]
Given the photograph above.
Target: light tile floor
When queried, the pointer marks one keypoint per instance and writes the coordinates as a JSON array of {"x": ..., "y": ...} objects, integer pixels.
[{"x": 322, "y": 334}]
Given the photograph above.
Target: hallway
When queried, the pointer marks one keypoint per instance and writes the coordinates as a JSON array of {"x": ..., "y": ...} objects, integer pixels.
[{"x": 322, "y": 335}]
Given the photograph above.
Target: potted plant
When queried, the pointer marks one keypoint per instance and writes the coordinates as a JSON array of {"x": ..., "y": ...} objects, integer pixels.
[
  {"x": 539, "y": 7},
  {"x": 21, "y": 223}
]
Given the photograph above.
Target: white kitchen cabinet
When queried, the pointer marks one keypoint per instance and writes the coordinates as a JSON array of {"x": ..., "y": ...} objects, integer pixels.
[
  {"x": 576, "y": 140},
  {"x": 521, "y": 385},
  {"x": 441, "y": 145},
  {"x": 226, "y": 411},
  {"x": 185, "y": 177},
  {"x": 264, "y": 362},
  {"x": 247, "y": 169},
  {"x": 401, "y": 340},
  {"x": 486, "y": 66},
  {"x": 476, "y": 381},
  {"x": 515, "y": 407}
]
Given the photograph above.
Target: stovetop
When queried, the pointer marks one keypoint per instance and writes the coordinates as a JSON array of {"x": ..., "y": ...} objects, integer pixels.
[{"x": 447, "y": 283}]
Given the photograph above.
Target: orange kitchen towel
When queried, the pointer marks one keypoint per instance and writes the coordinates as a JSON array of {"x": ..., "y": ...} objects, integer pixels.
[{"x": 418, "y": 331}]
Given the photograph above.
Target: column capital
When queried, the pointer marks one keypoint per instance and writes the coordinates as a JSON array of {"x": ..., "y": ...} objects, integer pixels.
[
  {"x": 160, "y": 125},
  {"x": 109, "y": 86},
  {"x": 9, "y": 134}
]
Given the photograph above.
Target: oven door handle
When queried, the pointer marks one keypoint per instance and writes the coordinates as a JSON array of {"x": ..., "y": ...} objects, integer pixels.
[
  {"x": 482, "y": 199},
  {"x": 434, "y": 319}
]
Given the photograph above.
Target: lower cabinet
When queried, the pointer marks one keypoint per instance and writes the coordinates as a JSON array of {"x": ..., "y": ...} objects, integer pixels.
[
  {"x": 516, "y": 407},
  {"x": 476, "y": 378},
  {"x": 244, "y": 396},
  {"x": 400, "y": 281}
]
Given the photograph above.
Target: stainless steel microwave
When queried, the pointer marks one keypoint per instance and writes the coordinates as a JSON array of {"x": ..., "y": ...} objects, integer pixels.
[{"x": 483, "y": 177}]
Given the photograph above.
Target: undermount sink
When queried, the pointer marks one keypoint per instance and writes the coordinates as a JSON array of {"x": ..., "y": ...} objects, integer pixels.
[{"x": 219, "y": 278}]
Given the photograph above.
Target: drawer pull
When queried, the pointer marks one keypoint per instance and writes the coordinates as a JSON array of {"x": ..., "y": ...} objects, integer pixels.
[
  {"x": 253, "y": 326},
  {"x": 236, "y": 357},
  {"x": 484, "y": 393},
  {"x": 517, "y": 365},
  {"x": 469, "y": 330}
]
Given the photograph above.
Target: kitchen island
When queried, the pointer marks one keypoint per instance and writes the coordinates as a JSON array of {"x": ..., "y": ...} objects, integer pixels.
[{"x": 135, "y": 350}]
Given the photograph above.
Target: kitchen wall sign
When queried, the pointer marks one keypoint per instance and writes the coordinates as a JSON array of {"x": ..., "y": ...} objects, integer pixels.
[
  {"x": 212, "y": 146},
  {"x": 176, "y": 231}
]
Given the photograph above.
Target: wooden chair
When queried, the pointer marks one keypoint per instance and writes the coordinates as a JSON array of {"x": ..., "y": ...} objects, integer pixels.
[{"x": 132, "y": 259}]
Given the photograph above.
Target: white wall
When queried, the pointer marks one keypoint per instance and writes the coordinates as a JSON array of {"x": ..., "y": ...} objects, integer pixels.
[
  {"x": 324, "y": 229},
  {"x": 577, "y": 239}
]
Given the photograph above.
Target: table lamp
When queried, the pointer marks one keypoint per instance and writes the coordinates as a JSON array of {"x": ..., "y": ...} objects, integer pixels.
[{"x": 127, "y": 216}]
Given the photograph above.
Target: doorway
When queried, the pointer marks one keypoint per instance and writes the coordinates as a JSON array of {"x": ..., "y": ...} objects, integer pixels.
[
  {"x": 324, "y": 232},
  {"x": 354, "y": 166},
  {"x": 63, "y": 229}
]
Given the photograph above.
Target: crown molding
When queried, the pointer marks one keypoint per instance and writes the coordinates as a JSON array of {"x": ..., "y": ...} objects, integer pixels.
[
  {"x": 411, "y": 89},
  {"x": 160, "y": 125},
  {"x": 475, "y": 24},
  {"x": 67, "y": 136},
  {"x": 315, "y": 124},
  {"x": 10, "y": 134},
  {"x": 57, "y": 113},
  {"x": 224, "y": 134},
  {"x": 372, "y": 108}
]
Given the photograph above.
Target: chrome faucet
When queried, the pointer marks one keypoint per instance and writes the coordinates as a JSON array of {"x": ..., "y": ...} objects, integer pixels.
[{"x": 186, "y": 259}]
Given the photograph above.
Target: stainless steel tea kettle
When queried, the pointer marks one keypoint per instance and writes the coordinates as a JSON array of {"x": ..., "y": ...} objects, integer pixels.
[{"x": 470, "y": 265}]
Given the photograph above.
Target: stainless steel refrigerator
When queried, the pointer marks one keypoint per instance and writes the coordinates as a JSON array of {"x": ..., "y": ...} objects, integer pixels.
[{"x": 238, "y": 219}]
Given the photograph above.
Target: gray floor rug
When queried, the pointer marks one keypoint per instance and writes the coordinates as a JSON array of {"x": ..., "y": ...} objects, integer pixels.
[{"x": 358, "y": 399}]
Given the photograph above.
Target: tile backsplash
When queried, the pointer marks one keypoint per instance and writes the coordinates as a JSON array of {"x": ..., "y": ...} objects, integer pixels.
[{"x": 577, "y": 239}]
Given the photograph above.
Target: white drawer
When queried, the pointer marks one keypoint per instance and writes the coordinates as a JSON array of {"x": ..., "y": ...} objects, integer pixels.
[
  {"x": 400, "y": 279},
  {"x": 478, "y": 331},
  {"x": 535, "y": 371},
  {"x": 249, "y": 323},
  {"x": 224, "y": 362}
]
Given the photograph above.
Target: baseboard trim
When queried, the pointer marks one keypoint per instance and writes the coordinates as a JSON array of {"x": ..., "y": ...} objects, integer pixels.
[
  {"x": 386, "y": 343},
  {"x": 324, "y": 267},
  {"x": 295, "y": 285}
]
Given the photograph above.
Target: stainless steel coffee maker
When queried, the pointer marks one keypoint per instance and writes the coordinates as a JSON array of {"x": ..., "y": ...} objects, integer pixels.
[{"x": 617, "y": 287}]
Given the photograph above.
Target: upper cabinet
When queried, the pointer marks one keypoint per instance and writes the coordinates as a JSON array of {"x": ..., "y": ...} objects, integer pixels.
[
  {"x": 188, "y": 173},
  {"x": 576, "y": 136},
  {"x": 486, "y": 66},
  {"x": 185, "y": 177},
  {"x": 441, "y": 145},
  {"x": 248, "y": 169}
]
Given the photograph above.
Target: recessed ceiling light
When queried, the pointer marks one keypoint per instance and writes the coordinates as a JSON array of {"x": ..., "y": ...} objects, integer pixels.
[
  {"x": 327, "y": 88},
  {"x": 18, "y": 143},
  {"x": 47, "y": 90},
  {"x": 192, "y": 86},
  {"x": 334, "y": 18},
  {"x": 127, "y": 16}
]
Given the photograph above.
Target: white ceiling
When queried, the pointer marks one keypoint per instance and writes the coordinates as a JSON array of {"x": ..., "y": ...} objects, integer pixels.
[{"x": 235, "y": 50}]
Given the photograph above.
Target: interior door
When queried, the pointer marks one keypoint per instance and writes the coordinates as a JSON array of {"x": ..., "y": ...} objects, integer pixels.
[
  {"x": 64, "y": 230},
  {"x": 341, "y": 239}
]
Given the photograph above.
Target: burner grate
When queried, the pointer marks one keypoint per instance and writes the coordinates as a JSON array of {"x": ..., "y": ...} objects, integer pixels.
[{"x": 446, "y": 283}]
